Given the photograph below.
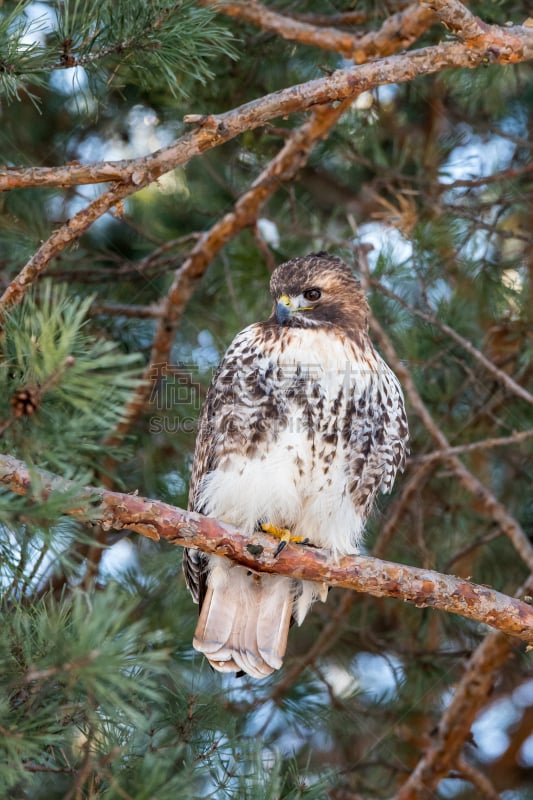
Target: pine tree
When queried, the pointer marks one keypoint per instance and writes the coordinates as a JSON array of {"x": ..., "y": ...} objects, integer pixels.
[{"x": 155, "y": 167}]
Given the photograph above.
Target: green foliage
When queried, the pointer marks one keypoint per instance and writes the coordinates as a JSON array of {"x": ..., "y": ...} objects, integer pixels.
[
  {"x": 146, "y": 44},
  {"x": 19, "y": 55},
  {"x": 62, "y": 389},
  {"x": 75, "y": 679}
]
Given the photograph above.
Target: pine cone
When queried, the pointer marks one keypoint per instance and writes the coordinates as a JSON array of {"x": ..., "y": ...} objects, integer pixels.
[{"x": 25, "y": 402}]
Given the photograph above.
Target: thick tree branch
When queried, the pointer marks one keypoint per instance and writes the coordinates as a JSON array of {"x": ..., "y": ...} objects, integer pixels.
[
  {"x": 289, "y": 28},
  {"x": 158, "y": 520},
  {"x": 397, "y": 31},
  {"x": 502, "y": 45},
  {"x": 458, "y": 19},
  {"x": 516, "y": 45}
]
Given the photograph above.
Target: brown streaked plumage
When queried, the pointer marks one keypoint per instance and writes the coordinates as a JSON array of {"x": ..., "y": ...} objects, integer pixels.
[{"x": 302, "y": 426}]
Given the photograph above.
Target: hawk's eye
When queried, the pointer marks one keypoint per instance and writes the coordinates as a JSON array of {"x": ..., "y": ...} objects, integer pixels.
[{"x": 313, "y": 295}]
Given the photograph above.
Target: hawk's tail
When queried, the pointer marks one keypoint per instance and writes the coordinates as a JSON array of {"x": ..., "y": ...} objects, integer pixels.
[{"x": 244, "y": 620}]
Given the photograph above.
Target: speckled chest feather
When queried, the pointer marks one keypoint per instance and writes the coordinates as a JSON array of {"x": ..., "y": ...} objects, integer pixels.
[{"x": 304, "y": 425}]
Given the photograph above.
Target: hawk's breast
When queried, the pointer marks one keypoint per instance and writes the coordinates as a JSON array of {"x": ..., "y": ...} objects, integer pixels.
[{"x": 282, "y": 429}]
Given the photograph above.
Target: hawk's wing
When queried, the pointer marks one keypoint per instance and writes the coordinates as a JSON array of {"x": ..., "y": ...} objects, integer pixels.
[
  {"x": 195, "y": 562},
  {"x": 376, "y": 433},
  {"x": 220, "y": 431}
]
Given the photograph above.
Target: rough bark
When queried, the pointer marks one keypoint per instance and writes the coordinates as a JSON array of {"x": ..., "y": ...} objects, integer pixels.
[{"x": 157, "y": 520}]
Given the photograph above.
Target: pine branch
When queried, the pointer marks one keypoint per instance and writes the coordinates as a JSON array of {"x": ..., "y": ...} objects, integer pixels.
[
  {"x": 141, "y": 43},
  {"x": 157, "y": 520},
  {"x": 453, "y": 730},
  {"x": 499, "y": 45},
  {"x": 396, "y": 33},
  {"x": 516, "y": 46}
]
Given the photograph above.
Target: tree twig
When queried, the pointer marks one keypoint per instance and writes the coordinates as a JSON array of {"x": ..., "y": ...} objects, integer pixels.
[
  {"x": 322, "y": 644},
  {"x": 454, "y": 726},
  {"x": 126, "y": 310},
  {"x": 477, "y": 779},
  {"x": 409, "y": 490},
  {"x": 501, "y": 376},
  {"x": 158, "y": 520},
  {"x": 484, "y": 444}
]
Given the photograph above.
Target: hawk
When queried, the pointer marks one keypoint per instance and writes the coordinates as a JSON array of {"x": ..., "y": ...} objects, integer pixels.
[{"x": 302, "y": 426}]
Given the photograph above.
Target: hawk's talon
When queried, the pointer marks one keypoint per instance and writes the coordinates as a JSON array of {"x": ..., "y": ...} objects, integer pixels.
[
  {"x": 281, "y": 546},
  {"x": 283, "y": 534}
]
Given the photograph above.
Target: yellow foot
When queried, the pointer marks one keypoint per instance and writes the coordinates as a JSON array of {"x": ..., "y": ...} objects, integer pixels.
[{"x": 283, "y": 534}]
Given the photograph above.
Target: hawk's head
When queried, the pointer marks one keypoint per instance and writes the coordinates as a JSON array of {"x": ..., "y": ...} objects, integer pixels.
[{"x": 315, "y": 291}]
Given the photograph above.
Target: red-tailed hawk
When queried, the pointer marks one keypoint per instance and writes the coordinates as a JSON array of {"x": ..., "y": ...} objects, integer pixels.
[{"x": 302, "y": 426}]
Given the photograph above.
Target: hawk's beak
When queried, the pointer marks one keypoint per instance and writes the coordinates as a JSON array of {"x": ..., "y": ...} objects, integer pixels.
[{"x": 283, "y": 309}]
